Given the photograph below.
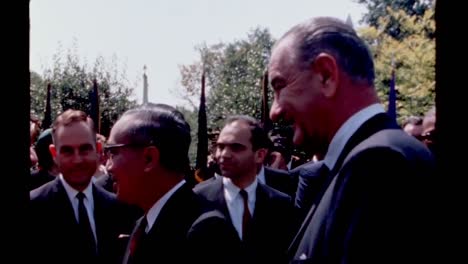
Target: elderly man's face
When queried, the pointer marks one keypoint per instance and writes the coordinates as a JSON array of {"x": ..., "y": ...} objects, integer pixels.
[
  {"x": 297, "y": 97},
  {"x": 126, "y": 164}
]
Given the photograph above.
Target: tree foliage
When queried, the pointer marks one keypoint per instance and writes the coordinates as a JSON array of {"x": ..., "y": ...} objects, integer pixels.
[
  {"x": 72, "y": 81},
  {"x": 233, "y": 76},
  {"x": 192, "y": 119},
  {"x": 378, "y": 9},
  {"x": 413, "y": 58}
]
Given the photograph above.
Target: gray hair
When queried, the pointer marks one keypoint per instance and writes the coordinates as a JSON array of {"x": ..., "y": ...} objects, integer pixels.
[
  {"x": 166, "y": 128},
  {"x": 335, "y": 37}
]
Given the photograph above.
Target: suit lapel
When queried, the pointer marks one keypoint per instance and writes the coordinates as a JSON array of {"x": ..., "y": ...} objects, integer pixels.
[
  {"x": 100, "y": 218},
  {"x": 260, "y": 202},
  {"x": 170, "y": 210},
  {"x": 64, "y": 206},
  {"x": 127, "y": 250},
  {"x": 215, "y": 196},
  {"x": 373, "y": 125}
]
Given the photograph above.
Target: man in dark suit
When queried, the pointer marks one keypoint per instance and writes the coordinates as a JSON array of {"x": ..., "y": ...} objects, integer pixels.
[
  {"x": 374, "y": 204},
  {"x": 148, "y": 158},
  {"x": 254, "y": 210},
  {"x": 311, "y": 177},
  {"x": 71, "y": 219},
  {"x": 280, "y": 180}
]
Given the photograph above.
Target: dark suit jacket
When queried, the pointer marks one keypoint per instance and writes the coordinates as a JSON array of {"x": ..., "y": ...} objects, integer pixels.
[
  {"x": 281, "y": 180},
  {"x": 166, "y": 242},
  {"x": 106, "y": 182},
  {"x": 271, "y": 226},
  {"x": 39, "y": 178},
  {"x": 311, "y": 177},
  {"x": 53, "y": 226},
  {"x": 375, "y": 205},
  {"x": 212, "y": 239}
]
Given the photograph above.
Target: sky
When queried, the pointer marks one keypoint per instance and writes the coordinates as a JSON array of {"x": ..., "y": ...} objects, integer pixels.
[{"x": 161, "y": 34}]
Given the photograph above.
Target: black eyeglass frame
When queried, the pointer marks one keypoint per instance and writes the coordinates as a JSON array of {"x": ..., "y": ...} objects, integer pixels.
[{"x": 109, "y": 147}]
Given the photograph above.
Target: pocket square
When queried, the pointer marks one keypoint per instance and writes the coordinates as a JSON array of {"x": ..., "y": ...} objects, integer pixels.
[{"x": 121, "y": 236}]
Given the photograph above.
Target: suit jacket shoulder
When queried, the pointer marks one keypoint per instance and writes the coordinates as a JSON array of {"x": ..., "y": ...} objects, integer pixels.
[
  {"x": 378, "y": 204},
  {"x": 281, "y": 180},
  {"x": 53, "y": 225},
  {"x": 212, "y": 239},
  {"x": 106, "y": 182},
  {"x": 166, "y": 241}
]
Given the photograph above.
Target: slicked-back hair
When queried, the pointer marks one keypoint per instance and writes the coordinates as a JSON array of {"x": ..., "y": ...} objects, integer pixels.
[
  {"x": 334, "y": 37},
  {"x": 259, "y": 137},
  {"x": 165, "y": 127},
  {"x": 69, "y": 117}
]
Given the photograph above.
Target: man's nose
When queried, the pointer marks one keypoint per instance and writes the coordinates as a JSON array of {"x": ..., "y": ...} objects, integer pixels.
[
  {"x": 275, "y": 111},
  {"x": 224, "y": 154}
]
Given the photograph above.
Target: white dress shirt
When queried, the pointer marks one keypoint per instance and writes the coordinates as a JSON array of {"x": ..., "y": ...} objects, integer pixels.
[
  {"x": 88, "y": 202},
  {"x": 235, "y": 202}
]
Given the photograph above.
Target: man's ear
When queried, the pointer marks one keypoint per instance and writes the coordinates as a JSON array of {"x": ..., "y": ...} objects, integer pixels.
[
  {"x": 260, "y": 155},
  {"x": 52, "y": 150},
  {"x": 151, "y": 157},
  {"x": 326, "y": 68}
]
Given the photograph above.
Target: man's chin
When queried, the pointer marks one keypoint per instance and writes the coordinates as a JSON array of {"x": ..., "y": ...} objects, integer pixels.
[{"x": 298, "y": 137}]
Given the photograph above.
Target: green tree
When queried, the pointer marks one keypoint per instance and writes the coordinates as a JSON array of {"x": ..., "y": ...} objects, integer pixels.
[
  {"x": 192, "y": 119},
  {"x": 413, "y": 58},
  {"x": 383, "y": 8},
  {"x": 233, "y": 76},
  {"x": 72, "y": 82},
  {"x": 38, "y": 91}
]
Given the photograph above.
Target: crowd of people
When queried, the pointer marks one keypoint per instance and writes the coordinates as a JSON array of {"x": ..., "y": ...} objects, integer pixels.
[{"x": 357, "y": 189}]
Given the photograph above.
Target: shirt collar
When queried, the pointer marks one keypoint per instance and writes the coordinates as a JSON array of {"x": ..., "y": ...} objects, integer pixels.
[
  {"x": 153, "y": 213},
  {"x": 231, "y": 191},
  {"x": 346, "y": 130},
  {"x": 261, "y": 175},
  {"x": 71, "y": 192}
]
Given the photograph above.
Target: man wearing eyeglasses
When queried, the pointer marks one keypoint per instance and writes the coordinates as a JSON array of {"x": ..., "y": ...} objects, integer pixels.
[{"x": 147, "y": 155}]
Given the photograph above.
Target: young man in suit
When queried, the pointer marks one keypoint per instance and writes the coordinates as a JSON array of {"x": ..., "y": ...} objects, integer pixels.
[
  {"x": 148, "y": 157},
  {"x": 374, "y": 206},
  {"x": 253, "y": 209},
  {"x": 71, "y": 219}
]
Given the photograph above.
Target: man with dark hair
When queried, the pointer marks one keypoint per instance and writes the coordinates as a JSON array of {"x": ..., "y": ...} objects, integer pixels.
[
  {"x": 374, "y": 206},
  {"x": 148, "y": 157},
  {"x": 253, "y": 209},
  {"x": 73, "y": 220}
]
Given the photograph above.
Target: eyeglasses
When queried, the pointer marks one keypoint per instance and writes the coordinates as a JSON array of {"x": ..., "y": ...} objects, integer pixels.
[{"x": 111, "y": 149}]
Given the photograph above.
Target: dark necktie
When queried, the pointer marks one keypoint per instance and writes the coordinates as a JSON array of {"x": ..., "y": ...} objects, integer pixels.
[
  {"x": 87, "y": 237},
  {"x": 246, "y": 217},
  {"x": 136, "y": 239}
]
